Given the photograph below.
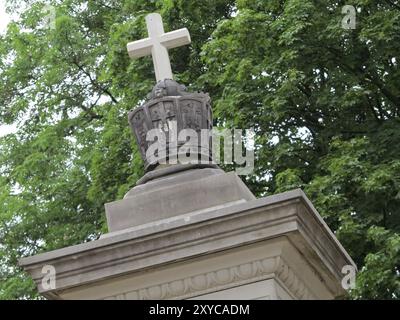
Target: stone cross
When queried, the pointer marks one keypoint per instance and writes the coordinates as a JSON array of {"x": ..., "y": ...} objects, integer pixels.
[{"x": 157, "y": 44}]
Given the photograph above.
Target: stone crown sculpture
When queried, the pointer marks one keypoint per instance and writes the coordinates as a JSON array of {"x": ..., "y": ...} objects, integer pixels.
[{"x": 170, "y": 102}]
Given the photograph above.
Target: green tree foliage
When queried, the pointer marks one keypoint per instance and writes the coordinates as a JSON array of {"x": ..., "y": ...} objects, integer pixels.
[{"x": 324, "y": 102}]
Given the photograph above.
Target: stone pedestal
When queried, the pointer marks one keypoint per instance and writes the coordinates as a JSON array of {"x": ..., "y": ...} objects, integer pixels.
[
  {"x": 188, "y": 190},
  {"x": 215, "y": 242}
]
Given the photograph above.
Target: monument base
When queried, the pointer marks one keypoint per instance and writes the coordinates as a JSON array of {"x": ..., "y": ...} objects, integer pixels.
[{"x": 277, "y": 247}]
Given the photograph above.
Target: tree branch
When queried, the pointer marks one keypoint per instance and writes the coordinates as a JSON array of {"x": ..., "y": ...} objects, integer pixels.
[{"x": 94, "y": 82}]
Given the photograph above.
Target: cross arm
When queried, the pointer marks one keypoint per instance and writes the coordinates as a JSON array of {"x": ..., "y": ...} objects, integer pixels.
[
  {"x": 139, "y": 48},
  {"x": 175, "y": 38}
]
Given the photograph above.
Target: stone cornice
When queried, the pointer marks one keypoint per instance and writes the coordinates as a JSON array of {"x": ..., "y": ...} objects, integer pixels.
[
  {"x": 191, "y": 235},
  {"x": 221, "y": 279}
]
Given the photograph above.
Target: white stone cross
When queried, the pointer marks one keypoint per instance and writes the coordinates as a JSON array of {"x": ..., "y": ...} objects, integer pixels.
[{"x": 157, "y": 44}]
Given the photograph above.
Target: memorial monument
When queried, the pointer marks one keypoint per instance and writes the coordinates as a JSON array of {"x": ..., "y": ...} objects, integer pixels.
[{"x": 190, "y": 230}]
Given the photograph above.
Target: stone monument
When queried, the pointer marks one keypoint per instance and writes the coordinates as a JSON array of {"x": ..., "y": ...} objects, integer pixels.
[{"x": 192, "y": 231}]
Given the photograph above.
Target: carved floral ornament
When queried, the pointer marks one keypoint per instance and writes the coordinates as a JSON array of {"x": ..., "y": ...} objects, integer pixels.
[{"x": 225, "y": 278}]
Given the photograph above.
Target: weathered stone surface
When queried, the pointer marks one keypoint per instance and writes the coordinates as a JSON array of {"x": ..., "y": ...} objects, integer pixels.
[
  {"x": 171, "y": 109},
  {"x": 280, "y": 238},
  {"x": 172, "y": 195}
]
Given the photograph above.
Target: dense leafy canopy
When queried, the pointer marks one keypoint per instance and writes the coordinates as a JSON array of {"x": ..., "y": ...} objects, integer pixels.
[{"x": 324, "y": 101}]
